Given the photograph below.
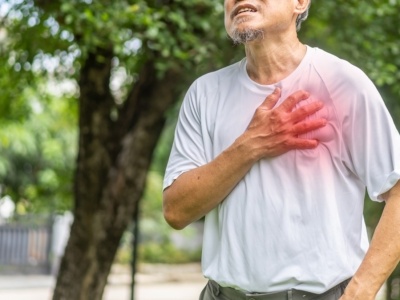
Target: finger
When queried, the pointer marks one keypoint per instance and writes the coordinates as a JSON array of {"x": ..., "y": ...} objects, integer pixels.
[
  {"x": 305, "y": 127},
  {"x": 272, "y": 99},
  {"x": 290, "y": 102},
  {"x": 306, "y": 110},
  {"x": 302, "y": 144}
]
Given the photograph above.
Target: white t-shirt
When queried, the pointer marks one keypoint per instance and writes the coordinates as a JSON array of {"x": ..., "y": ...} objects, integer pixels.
[{"x": 296, "y": 220}]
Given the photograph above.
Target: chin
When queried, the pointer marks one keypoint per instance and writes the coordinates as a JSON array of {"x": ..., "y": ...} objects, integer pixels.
[{"x": 246, "y": 34}]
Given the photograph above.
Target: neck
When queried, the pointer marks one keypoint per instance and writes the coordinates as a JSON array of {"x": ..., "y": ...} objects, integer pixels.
[{"x": 269, "y": 61}]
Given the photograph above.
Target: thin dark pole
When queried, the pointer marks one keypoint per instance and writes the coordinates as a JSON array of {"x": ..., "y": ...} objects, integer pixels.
[
  {"x": 50, "y": 227},
  {"x": 135, "y": 240}
]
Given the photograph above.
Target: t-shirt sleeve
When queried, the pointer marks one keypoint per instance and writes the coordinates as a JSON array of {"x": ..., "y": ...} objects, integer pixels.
[
  {"x": 371, "y": 141},
  {"x": 188, "y": 147}
]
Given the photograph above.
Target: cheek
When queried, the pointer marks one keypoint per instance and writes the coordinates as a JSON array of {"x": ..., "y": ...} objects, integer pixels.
[{"x": 227, "y": 24}]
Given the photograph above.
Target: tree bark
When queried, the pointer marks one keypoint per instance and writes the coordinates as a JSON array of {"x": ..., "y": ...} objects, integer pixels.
[{"x": 113, "y": 160}]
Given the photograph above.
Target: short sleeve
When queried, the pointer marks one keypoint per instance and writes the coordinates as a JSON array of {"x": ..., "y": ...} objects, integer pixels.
[
  {"x": 188, "y": 147},
  {"x": 370, "y": 138}
]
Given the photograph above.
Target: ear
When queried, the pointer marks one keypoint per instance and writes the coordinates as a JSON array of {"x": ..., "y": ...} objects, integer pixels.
[{"x": 301, "y": 6}]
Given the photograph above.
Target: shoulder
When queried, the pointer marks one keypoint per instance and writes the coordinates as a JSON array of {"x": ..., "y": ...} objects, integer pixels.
[
  {"x": 338, "y": 71},
  {"x": 204, "y": 90},
  {"x": 218, "y": 78},
  {"x": 343, "y": 80},
  {"x": 341, "y": 74},
  {"x": 351, "y": 92}
]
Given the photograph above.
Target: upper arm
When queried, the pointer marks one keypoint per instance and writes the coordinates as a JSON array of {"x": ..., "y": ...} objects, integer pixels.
[
  {"x": 393, "y": 193},
  {"x": 187, "y": 151}
]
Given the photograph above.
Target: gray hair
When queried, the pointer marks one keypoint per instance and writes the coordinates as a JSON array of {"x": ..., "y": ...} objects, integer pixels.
[{"x": 302, "y": 17}]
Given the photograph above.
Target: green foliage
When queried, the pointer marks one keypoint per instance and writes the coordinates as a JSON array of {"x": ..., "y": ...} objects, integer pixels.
[
  {"x": 170, "y": 33},
  {"x": 167, "y": 253},
  {"x": 158, "y": 253},
  {"x": 164, "y": 145},
  {"x": 37, "y": 154}
]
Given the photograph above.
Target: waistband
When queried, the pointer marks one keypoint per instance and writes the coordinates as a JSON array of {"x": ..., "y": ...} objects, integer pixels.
[{"x": 292, "y": 294}]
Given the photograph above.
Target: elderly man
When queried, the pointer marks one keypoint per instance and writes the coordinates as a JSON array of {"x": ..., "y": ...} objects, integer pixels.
[{"x": 281, "y": 179}]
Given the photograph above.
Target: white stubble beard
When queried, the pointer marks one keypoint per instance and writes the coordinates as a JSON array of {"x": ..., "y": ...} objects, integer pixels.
[{"x": 246, "y": 35}]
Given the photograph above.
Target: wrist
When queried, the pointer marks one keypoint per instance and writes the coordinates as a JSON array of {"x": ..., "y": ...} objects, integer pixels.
[
  {"x": 247, "y": 149},
  {"x": 358, "y": 290}
]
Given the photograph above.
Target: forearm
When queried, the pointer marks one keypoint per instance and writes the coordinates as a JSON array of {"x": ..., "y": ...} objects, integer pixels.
[
  {"x": 195, "y": 193},
  {"x": 383, "y": 254}
]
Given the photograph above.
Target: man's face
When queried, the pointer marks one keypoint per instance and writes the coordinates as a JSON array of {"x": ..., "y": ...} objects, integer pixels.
[{"x": 269, "y": 16}]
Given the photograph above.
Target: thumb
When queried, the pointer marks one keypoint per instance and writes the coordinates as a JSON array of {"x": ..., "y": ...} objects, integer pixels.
[{"x": 272, "y": 99}]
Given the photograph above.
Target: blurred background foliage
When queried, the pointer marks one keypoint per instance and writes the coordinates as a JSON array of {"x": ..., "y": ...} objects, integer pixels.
[{"x": 43, "y": 44}]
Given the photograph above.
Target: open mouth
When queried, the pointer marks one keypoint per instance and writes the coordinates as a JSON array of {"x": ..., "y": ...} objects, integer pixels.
[{"x": 243, "y": 9}]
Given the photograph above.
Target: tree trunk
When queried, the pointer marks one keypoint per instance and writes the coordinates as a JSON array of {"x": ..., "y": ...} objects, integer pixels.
[{"x": 113, "y": 161}]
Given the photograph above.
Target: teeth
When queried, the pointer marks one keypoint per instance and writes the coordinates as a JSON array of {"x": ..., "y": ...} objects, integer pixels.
[{"x": 245, "y": 10}]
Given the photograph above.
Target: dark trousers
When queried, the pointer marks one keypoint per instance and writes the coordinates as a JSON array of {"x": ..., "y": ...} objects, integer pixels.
[{"x": 213, "y": 291}]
